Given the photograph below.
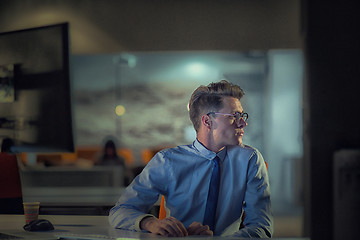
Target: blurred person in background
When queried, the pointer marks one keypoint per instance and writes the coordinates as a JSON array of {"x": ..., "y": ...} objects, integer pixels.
[{"x": 109, "y": 155}]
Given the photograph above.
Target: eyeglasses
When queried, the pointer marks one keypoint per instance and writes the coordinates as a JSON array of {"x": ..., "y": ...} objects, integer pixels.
[{"x": 238, "y": 115}]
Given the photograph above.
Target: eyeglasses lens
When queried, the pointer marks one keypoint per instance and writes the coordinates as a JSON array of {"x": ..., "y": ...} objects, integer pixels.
[{"x": 238, "y": 116}]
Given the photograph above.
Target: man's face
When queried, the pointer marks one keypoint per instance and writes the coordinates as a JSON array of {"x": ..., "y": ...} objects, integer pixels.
[{"x": 226, "y": 130}]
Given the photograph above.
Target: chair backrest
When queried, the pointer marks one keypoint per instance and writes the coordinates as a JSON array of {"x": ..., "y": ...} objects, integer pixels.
[{"x": 10, "y": 185}]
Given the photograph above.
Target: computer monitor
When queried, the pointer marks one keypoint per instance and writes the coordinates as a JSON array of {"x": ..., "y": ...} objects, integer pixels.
[{"x": 35, "y": 91}]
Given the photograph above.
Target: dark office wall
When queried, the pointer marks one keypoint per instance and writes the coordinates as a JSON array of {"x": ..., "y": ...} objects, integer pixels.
[
  {"x": 112, "y": 26},
  {"x": 331, "y": 114}
]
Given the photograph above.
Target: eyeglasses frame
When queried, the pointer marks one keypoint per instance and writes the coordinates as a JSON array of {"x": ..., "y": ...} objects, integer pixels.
[{"x": 233, "y": 115}]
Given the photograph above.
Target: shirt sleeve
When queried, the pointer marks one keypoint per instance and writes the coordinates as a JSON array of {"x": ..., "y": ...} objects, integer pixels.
[
  {"x": 258, "y": 220},
  {"x": 138, "y": 198}
]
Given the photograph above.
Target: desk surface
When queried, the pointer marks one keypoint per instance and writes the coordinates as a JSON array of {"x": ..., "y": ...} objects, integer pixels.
[
  {"x": 82, "y": 227},
  {"x": 65, "y": 225}
]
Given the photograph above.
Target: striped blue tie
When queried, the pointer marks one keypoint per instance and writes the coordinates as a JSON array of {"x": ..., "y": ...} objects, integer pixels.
[{"x": 210, "y": 210}]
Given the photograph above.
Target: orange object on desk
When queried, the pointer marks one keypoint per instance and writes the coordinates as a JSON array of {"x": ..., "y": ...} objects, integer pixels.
[{"x": 162, "y": 211}]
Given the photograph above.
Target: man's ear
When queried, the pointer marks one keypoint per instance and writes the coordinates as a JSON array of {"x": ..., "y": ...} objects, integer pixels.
[{"x": 206, "y": 121}]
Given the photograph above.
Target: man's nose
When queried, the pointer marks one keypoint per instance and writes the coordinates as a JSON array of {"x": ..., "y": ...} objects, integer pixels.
[{"x": 241, "y": 123}]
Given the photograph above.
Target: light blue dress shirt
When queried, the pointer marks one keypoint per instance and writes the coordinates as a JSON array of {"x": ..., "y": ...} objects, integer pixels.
[{"x": 182, "y": 174}]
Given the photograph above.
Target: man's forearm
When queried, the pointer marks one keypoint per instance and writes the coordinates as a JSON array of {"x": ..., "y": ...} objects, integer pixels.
[{"x": 252, "y": 232}]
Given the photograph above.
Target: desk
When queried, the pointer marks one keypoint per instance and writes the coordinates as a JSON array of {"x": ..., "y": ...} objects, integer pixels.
[
  {"x": 73, "y": 200},
  {"x": 73, "y": 190},
  {"x": 62, "y": 176},
  {"x": 76, "y": 200},
  {"x": 75, "y": 196},
  {"x": 66, "y": 225},
  {"x": 82, "y": 225}
]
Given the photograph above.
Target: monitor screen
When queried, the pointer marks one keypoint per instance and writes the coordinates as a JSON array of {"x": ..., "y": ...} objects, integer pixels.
[{"x": 35, "y": 91}]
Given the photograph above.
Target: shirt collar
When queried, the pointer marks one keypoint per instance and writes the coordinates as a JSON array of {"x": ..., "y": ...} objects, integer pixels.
[{"x": 208, "y": 153}]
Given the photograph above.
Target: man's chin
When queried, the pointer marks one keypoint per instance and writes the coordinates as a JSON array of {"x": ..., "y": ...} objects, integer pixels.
[{"x": 236, "y": 142}]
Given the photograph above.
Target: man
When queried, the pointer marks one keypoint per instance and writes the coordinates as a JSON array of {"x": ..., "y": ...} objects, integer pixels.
[{"x": 185, "y": 175}]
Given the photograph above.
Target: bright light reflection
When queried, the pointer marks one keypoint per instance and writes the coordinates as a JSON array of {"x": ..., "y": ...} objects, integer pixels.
[
  {"x": 201, "y": 71},
  {"x": 196, "y": 69},
  {"x": 120, "y": 110}
]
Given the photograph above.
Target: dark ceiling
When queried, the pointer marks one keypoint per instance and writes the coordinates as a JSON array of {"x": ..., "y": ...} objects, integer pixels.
[{"x": 163, "y": 25}]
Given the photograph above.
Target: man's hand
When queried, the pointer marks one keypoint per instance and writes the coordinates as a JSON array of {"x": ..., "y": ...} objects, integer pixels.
[
  {"x": 197, "y": 228},
  {"x": 169, "y": 227}
]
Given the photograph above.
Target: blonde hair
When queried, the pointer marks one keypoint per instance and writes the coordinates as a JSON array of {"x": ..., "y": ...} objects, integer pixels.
[{"x": 210, "y": 99}]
